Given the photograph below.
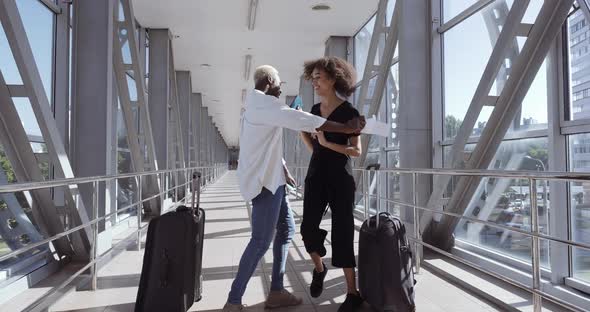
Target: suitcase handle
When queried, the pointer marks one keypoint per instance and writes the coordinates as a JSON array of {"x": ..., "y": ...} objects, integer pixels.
[{"x": 373, "y": 168}]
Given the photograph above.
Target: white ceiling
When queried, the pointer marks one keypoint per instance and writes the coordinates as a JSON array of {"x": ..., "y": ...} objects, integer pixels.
[{"x": 215, "y": 32}]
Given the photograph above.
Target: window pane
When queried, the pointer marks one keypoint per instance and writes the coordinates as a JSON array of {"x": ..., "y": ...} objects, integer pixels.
[
  {"x": 27, "y": 116},
  {"x": 507, "y": 202},
  {"x": 452, "y": 8},
  {"x": 7, "y": 63},
  {"x": 38, "y": 21},
  {"x": 579, "y": 155},
  {"x": 464, "y": 68},
  {"x": 362, "y": 41},
  {"x": 579, "y": 63}
]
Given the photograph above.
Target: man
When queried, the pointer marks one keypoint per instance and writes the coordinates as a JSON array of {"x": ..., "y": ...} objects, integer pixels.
[{"x": 262, "y": 177}]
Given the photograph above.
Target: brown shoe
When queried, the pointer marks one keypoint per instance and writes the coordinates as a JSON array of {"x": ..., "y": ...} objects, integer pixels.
[
  {"x": 229, "y": 307},
  {"x": 281, "y": 298}
]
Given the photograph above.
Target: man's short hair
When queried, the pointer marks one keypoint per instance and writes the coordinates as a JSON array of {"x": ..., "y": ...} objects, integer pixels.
[{"x": 266, "y": 71}]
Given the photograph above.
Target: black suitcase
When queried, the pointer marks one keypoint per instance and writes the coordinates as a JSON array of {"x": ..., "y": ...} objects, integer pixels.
[
  {"x": 171, "y": 278},
  {"x": 386, "y": 276}
]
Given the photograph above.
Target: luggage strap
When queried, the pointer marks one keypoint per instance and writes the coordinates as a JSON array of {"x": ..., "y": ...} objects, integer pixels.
[{"x": 165, "y": 268}]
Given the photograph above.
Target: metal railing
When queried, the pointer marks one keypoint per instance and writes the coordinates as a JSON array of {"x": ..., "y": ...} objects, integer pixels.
[
  {"x": 208, "y": 175},
  {"x": 534, "y": 234}
]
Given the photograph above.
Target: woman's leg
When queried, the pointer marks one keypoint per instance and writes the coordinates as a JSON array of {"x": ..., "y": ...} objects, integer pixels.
[
  {"x": 342, "y": 206},
  {"x": 314, "y": 205}
]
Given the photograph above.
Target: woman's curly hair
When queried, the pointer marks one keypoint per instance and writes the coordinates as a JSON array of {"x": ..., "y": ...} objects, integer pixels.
[{"x": 336, "y": 68}]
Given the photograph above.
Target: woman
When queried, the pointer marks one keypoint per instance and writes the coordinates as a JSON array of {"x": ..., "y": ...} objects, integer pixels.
[{"x": 329, "y": 178}]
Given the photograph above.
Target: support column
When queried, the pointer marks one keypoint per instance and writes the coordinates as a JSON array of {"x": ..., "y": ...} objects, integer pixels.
[
  {"x": 204, "y": 136},
  {"x": 559, "y": 254},
  {"x": 307, "y": 97},
  {"x": 61, "y": 95},
  {"x": 211, "y": 140},
  {"x": 93, "y": 124},
  {"x": 160, "y": 92},
  {"x": 197, "y": 102},
  {"x": 414, "y": 124},
  {"x": 183, "y": 84},
  {"x": 337, "y": 46}
]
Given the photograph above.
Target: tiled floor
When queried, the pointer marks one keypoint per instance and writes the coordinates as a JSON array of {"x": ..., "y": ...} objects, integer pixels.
[{"x": 227, "y": 233}]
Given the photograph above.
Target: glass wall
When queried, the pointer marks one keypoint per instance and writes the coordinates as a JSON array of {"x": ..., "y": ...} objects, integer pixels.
[
  {"x": 577, "y": 110},
  {"x": 502, "y": 201},
  {"x": 20, "y": 226},
  {"x": 507, "y": 201},
  {"x": 579, "y": 153},
  {"x": 463, "y": 69}
]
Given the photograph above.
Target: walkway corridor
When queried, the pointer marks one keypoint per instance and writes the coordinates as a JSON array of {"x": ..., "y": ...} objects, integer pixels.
[{"x": 227, "y": 233}]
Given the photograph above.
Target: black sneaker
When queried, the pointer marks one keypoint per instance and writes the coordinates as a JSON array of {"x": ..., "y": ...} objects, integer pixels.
[
  {"x": 352, "y": 303},
  {"x": 317, "y": 283}
]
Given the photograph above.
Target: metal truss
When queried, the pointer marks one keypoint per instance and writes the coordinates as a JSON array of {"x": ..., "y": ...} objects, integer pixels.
[
  {"x": 130, "y": 81},
  {"x": 384, "y": 41},
  {"x": 506, "y": 107},
  {"x": 177, "y": 159},
  {"x": 16, "y": 143}
]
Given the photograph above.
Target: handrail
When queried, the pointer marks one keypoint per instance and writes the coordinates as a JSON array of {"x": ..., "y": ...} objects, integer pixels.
[
  {"x": 534, "y": 233},
  {"x": 212, "y": 173},
  {"x": 29, "y": 186},
  {"x": 508, "y": 174}
]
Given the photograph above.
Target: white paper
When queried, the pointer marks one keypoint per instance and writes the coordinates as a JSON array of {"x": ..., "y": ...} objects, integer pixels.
[{"x": 376, "y": 127}]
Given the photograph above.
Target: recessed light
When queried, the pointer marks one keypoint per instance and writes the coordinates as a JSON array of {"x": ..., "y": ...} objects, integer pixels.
[
  {"x": 205, "y": 65},
  {"x": 321, "y": 7}
]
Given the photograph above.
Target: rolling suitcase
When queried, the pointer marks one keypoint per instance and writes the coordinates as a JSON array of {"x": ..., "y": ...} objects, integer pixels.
[
  {"x": 385, "y": 272},
  {"x": 171, "y": 278}
]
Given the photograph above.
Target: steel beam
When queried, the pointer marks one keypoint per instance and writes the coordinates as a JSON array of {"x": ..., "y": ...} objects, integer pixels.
[
  {"x": 370, "y": 106},
  {"x": 129, "y": 78}
]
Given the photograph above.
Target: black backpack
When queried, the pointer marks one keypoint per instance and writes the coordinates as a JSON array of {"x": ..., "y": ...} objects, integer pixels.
[{"x": 385, "y": 267}]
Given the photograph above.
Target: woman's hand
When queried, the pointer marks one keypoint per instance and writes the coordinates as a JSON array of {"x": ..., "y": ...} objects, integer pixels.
[{"x": 322, "y": 138}]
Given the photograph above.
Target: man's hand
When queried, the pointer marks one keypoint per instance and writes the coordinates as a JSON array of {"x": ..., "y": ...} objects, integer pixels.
[
  {"x": 291, "y": 181},
  {"x": 356, "y": 124},
  {"x": 289, "y": 177}
]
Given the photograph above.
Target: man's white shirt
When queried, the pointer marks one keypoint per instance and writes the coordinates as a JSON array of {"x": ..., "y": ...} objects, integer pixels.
[{"x": 261, "y": 141}]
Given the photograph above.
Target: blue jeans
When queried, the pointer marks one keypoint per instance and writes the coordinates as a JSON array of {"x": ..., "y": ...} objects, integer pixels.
[{"x": 269, "y": 213}]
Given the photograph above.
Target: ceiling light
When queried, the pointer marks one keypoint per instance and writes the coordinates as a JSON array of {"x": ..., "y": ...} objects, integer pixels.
[
  {"x": 321, "y": 7},
  {"x": 247, "y": 67},
  {"x": 205, "y": 65},
  {"x": 253, "y": 7}
]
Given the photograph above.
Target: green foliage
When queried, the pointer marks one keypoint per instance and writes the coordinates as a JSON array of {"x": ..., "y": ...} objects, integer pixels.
[
  {"x": 6, "y": 166},
  {"x": 452, "y": 126}
]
